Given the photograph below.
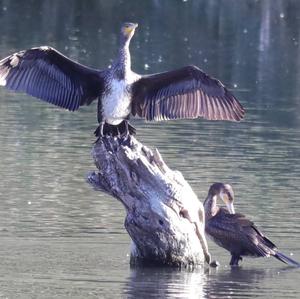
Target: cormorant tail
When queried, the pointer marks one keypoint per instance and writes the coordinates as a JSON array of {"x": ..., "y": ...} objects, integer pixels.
[{"x": 285, "y": 259}]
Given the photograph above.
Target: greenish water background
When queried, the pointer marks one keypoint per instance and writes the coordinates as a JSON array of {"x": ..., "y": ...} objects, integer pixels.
[{"x": 59, "y": 238}]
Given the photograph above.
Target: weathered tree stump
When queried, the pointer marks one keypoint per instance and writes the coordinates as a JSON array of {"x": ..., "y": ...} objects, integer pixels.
[{"x": 165, "y": 219}]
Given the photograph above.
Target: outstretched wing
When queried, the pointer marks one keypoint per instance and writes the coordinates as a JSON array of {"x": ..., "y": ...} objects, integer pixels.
[
  {"x": 47, "y": 74},
  {"x": 184, "y": 93}
]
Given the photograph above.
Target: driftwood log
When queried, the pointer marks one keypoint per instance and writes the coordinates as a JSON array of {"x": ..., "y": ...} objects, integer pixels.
[{"x": 165, "y": 219}]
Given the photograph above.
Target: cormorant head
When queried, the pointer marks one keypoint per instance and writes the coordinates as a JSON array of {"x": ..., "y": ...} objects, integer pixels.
[
  {"x": 127, "y": 30},
  {"x": 225, "y": 192}
]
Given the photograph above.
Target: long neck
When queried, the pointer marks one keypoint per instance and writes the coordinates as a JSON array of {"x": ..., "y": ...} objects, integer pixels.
[
  {"x": 210, "y": 206},
  {"x": 123, "y": 62}
]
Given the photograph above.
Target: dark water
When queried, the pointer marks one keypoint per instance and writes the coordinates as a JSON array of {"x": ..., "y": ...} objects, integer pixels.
[{"x": 61, "y": 239}]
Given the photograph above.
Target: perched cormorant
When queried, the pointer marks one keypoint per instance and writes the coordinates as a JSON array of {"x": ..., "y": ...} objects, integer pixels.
[
  {"x": 188, "y": 92},
  {"x": 234, "y": 231}
]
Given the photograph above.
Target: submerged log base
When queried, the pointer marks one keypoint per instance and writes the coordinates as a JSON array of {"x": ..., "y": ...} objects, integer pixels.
[{"x": 164, "y": 218}]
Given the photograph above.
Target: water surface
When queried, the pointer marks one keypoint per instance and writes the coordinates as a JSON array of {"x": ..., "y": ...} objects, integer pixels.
[{"x": 60, "y": 238}]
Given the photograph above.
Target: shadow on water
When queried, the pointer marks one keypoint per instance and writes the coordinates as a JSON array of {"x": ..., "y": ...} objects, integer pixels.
[{"x": 201, "y": 283}]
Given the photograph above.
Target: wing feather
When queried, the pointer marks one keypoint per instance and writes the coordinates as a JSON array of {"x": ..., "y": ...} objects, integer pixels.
[
  {"x": 47, "y": 74},
  {"x": 184, "y": 93},
  {"x": 235, "y": 231}
]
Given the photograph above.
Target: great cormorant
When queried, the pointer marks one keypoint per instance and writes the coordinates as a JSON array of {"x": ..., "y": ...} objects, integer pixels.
[
  {"x": 234, "y": 231},
  {"x": 187, "y": 92}
]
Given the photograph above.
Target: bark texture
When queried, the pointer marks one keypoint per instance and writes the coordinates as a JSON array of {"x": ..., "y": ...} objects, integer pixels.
[{"x": 165, "y": 219}]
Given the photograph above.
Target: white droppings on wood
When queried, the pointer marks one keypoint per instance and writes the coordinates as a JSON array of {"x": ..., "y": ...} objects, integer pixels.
[{"x": 164, "y": 216}]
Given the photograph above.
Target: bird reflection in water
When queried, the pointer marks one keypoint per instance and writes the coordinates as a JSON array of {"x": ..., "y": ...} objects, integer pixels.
[
  {"x": 165, "y": 283},
  {"x": 236, "y": 282},
  {"x": 206, "y": 283}
]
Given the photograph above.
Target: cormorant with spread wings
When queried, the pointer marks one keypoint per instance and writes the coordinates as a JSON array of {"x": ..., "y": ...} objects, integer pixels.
[{"x": 187, "y": 92}]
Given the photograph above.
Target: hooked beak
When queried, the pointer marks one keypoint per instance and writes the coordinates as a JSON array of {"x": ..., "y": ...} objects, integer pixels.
[
  {"x": 230, "y": 207},
  {"x": 128, "y": 30},
  {"x": 228, "y": 203}
]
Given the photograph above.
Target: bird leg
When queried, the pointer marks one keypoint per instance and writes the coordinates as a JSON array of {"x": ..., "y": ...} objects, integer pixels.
[
  {"x": 101, "y": 128},
  {"x": 126, "y": 132},
  {"x": 235, "y": 260},
  {"x": 99, "y": 131},
  {"x": 118, "y": 132}
]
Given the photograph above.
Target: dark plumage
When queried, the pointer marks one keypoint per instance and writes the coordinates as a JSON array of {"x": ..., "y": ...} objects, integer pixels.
[
  {"x": 234, "y": 232},
  {"x": 49, "y": 75},
  {"x": 184, "y": 93},
  {"x": 187, "y": 92}
]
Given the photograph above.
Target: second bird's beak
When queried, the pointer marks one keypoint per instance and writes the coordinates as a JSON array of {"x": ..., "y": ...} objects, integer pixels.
[
  {"x": 228, "y": 203},
  {"x": 230, "y": 207}
]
